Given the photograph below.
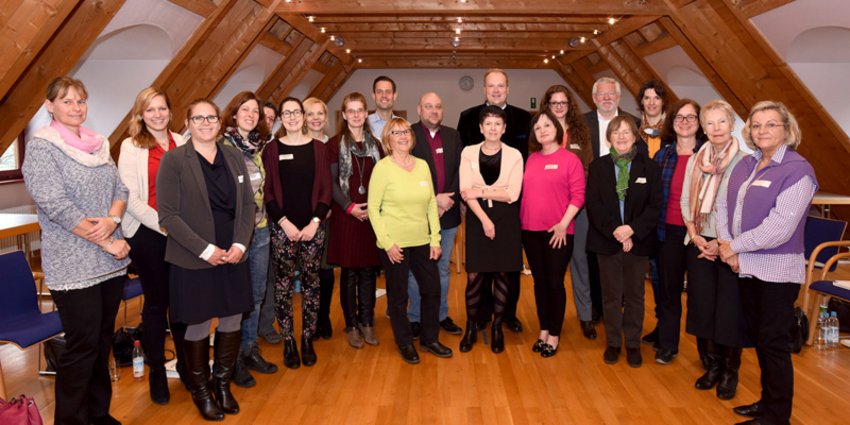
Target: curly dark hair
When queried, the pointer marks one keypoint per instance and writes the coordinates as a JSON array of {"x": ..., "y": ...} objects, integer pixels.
[{"x": 577, "y": 130}]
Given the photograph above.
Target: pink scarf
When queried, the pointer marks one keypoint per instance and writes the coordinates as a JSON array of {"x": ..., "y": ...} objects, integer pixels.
[
  {"x": 87, "y": 141},
  {"x": 705, "y": 179}
]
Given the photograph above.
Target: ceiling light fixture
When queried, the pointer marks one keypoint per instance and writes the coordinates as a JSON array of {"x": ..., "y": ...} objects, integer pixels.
[
  {"x": 562, "y": 51},
  {"x": 612, "y": 21},
  {"x": 339, "y": 41},
  {"x": 582, "y": 39},
  {"x": 311, "y": 18},
  {"x": 359, "y": 60},
  {"x": 459, "y": 20},
  {"x": 546, "y": 60},
  {"x": 596, "y": 32},
  {"x": 455, "y": 42},
  {"x": 573, "y": 42},
  {"x": 348, "y": 51},
  {"x": 457, "y": 31},
  {"x": 333, "y": 37},
  {"x": 322, "y": 29}
]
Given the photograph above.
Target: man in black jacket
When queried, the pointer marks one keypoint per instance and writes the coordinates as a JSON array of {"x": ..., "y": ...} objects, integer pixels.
[
  {"x": 517, "y": 122},
  {"x": 440, "y": 147}
]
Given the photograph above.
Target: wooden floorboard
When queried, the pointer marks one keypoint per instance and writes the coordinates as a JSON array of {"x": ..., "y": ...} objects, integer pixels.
[{"x": 518, "y": 387}]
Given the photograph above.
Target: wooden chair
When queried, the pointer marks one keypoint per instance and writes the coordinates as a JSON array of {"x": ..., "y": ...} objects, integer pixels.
[{"x": 818, "y": 292}]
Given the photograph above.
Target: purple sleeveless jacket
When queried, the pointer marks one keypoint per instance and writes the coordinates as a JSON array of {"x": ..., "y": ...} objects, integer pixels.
[{"x": 759, "y": 200}]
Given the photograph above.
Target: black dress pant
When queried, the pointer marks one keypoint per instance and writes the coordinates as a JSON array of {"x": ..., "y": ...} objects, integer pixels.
[
  {"x": 769, "y": 310},
  {"x": 595, "y": 283},
  {"x": 148, "y": 255},
  {"x": 416, "y": 260},
  {"x": 671, "y": 264},
  {"x": 548, "y": 267},
  {"x": 622, "y": 277},
  {"x": 83, "y": 385}
]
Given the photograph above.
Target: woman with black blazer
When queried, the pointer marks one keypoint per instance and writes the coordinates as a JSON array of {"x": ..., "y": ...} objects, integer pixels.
[
  {"x": 206, "y": 205},
  {"x": 623, "y": 203}
]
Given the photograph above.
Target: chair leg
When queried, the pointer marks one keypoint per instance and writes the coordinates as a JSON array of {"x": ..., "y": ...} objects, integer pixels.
[
  {"x": 813, "y": 319},
  {"x": 43, "y": 372}
]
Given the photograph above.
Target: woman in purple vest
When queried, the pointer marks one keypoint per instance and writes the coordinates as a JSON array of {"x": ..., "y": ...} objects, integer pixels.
[{"x": 760, "y": 225}]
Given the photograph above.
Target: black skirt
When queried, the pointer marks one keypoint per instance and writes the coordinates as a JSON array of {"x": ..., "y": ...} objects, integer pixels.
[
  {"x": 504, "y": 252},
  {"x": 200, "y": 295}
]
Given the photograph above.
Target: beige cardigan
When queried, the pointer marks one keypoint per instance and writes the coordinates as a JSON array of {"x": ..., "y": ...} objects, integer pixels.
[
  {"x": 510, "y": 174},
  {"x": 133, "y": 170}
]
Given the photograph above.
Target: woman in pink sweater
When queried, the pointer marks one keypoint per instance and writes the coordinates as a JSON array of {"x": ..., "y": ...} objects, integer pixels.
[{"x": 553, "y": 193}]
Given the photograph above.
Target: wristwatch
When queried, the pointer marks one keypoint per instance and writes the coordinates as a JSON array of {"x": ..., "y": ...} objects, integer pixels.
[{"x": 116, "y": 219}]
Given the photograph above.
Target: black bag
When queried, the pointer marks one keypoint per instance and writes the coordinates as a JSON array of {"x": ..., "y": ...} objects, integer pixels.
[
  {"x": 122, "y": 346},
  {"x": 53, "y": 349},
  {"x": 799, "y": 330}
]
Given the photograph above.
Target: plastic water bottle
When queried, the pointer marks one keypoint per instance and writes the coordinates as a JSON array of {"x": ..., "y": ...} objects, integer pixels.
[
  {"x": 833, "y": 329},
  {"x": 822, "y": 340},
  {"x": 139, "y": 362}
]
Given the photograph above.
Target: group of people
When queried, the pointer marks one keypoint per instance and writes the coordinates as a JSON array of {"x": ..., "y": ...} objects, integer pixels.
[{"x": 223, "y": 223}]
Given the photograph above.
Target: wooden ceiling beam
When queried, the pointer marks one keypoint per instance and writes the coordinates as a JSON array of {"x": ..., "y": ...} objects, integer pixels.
[
  {"x": 26, "y": 28},
  {"x": 275, "y": 44},
  {"x": 303, "y": 65},
  {"x": 209, "y": 57},
  {"x": 752, "y": 8},
  {"x": 466, "y": 27},
  {"x": 313, "y": 33},
  {"x": 362, "y": 46},
  {"x": 339, "y": 79},
  {"x": 444, "y": 61},
  {"x": 620, "y": 30},
  {"x": 746, "y": 62},
  {"x": 478, "y": 7},
  {"x": 203, "y": 8},
  {"x": 560, "y": 36},
  {"x": 327, "y": 80},
  {"x": 284, "y": 68},
  {"x": 426, "y": 18},
  {"x": 580, "y": 87},
  {"x": 631, "y": 69},
  {"x": 58, "y": 56}
]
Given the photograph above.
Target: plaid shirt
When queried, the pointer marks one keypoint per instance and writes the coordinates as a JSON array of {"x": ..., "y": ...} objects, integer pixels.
[{"x": 666, "y": 158}]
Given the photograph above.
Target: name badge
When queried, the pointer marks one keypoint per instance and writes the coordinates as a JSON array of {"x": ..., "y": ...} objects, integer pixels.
[
  {"x": 640, "y": 180},
  {"x": 240, "y": 178},
  {"x": 423, "y": 183},
  {"x": 439, "y": 150},
  {"x": 256, "y": 176},
  {"x": 474, "y": 165},
  {"x": 762, "y": 183},
  {"x": 551, "y": 167},
  {"x": 285, "y": 157},
  {"x": 575, "y": 146}
]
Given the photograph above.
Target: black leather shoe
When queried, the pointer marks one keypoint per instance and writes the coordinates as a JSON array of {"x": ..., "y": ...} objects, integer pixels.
[
  {"x": 513, "y": 324},
  {"x": 548, "y": 351},
  {"x": 650, "y": 338},
  {"x": 664, "y": 356},
  {"x": 469, "y": 337},
  {"x": 449, "y": 326},
  {"x": 308, "y": 354},
  {"x": 290, "y": 354},
  {"x": 633, "y": 357},
  {"x": 587, "y": 329},
  {"x": 241, "y": 376},
  {"x": 409, "y": 354},
  {"x": 416, "y": 329},
  {"x": 497, "y": 343},
  {"x": 104, "y": 420},
  {"x": 611, "y": 355},
  {"x": 538, "y": 346},
  {"x": 437, "y": 349},
  {"x": 255, "y": 361},
  {"x": 750, "y": 410},
  {"x": 158, "y": 383}
]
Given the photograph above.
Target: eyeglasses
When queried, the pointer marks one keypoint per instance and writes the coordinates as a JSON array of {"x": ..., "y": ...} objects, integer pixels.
[
  {"x": 685, "y": 118},
  {"x": 198, "y": 119},
  {"x": 769, "y": 126},
  {"x": 400, "y": 132},
  {"x": 560, "y": 104},
  {"x": 607, "y": 93},
  {"x": 294, "y": 113},
  {"x": 354, "y": 111}
]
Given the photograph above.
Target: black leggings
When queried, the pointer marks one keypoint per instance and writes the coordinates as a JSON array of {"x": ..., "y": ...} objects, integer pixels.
[
  {"x": 548, "y": 267},
  {"x": 148, "y": 253}
]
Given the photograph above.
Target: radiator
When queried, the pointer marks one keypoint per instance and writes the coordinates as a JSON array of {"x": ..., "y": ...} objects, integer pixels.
[{"x": 10, "y": 244}]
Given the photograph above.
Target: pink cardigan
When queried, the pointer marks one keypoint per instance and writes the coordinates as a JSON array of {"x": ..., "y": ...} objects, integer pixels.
[{"x": 510, "y": 174}]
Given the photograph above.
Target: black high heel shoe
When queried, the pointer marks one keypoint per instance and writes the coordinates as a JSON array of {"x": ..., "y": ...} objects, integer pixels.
[
  {"x": 548, "y": 351},
  {"x": 497, "y": 345},
  {"x": 469, "y": 337},
  {"x": 538, "y": 346}
]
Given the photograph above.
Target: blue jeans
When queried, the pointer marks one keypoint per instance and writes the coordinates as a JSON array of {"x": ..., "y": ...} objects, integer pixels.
[
  {"x": 258, "y": 264},
  {"x": 447, "y": 241}
]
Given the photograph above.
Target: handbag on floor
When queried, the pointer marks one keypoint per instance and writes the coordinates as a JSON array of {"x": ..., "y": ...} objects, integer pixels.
[
  {"x": 19, "y": 411},
  {"x": 799, "y": 330}
]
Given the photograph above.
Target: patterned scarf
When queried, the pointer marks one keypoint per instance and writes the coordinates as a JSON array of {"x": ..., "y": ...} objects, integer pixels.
[
  {"x": 705, "y": 179},
  {"x": 622, "y": 162},
  {"x": 251, "y": 147},
  {"x": 347, "y": 148}
]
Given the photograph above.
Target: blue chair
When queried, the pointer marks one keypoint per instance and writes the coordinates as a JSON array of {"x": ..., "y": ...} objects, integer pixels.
[
  {"x": 132, "y": 289},
  {"x": 822, "y": 290},
  {"x": 819, "y": 230},
  {"x": 21, "y": 321}
]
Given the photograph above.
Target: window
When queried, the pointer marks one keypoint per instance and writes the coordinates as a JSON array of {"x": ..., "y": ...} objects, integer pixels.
[{"x": 11, "y": 160}]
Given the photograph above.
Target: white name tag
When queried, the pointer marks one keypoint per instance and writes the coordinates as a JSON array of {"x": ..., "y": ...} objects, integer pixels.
[
  {"x": 256, "y": 176},
  {"x": 551, "y": 167},
  {"x": 240, "y": 178},
  {"x": 575, "y": 146},
  {"x": 439, "y": 150},
  {"x": 761, "y": 183},
  {"x": 640, "y": 180},
  {"x": 423, "y": 183},
  {"x": 286, "y": 157},
  {"x": 474, "y": 165}
]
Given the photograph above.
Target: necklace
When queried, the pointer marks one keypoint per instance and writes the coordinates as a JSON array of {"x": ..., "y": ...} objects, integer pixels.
[{"x": 360, "y": 189}]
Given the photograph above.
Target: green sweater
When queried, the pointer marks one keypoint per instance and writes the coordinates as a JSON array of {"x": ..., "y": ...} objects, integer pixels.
[{"x": 402, "y": 206}]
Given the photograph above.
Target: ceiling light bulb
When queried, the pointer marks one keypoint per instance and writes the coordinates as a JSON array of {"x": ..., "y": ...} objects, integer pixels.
[
  {"x": 359, "y": 60},
  {"x": 582, "y": 39},
  {"x": 457, "y": 31},
  {"x": 455, "y": 42},
  {"x": 333, "y": 37},
  {"x": 348, "y": 51},
  {"x": 322, "y": 29},
  {"x": 311, "y": 18},
  {"x": 562, "y": 51},
  {"x": 459, "y": 20},
  {"x": 595, "y": 32},
  {"x": 612, "y": 21},
  {"x": 546, "y": 60}
]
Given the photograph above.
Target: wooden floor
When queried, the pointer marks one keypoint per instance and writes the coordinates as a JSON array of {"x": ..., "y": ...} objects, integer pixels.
[{"x": 373, "y": 385}]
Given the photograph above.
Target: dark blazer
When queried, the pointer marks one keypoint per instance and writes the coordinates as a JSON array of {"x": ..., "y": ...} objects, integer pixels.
[
  {"x": 184, "y": 205},
  {"x": 516, "y": 133},
  {"x": 642, "y": 208},
  {"x": 592, "y": 119},
  {"x": 452, "y": 147},
  {"x": 322, "y": 188}
]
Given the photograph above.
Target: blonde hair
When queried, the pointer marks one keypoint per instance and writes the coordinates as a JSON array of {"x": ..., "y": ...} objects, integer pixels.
[
  {"x": 139, "y": 132},
  {"x": 396, "y": 124},
  {"x": 793, "y": 135},
  {"x": 717, "y": 105},
  {"x": 60, "y": 85}
]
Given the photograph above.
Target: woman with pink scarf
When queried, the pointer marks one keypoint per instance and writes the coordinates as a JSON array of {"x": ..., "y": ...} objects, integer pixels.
[{"x": 715, "y": 315}]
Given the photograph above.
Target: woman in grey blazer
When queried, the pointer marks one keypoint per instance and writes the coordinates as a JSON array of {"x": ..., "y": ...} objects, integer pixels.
[{"x": 206, "y": 206}]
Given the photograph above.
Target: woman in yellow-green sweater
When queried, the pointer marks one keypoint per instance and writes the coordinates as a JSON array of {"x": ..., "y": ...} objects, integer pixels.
[{"x": 403, "y": 212}]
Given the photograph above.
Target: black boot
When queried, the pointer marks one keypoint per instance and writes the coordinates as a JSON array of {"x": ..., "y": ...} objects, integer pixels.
[
  {"x": 714, "y": 359},
  {"x": 702, "y": 344},
  {"x": 241, "y": 375},
  {"x": 226, "y": 352},
  {"x": 197, "y": 361},
  {"x": 469, "y": 337},
  {"x": 178, "y": 332},
  {"x": 290, "y": 354},
  {"x": 728, "y": 385},
  {"x": 497, "y": 344},
  {"x": 158, "y": 383},
  {"x": 308, "y": 355}
]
